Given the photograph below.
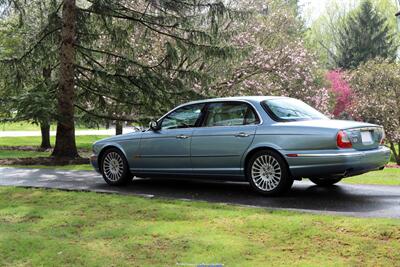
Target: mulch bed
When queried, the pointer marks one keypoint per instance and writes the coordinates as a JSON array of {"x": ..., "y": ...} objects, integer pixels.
[
  {"x": 393, "y": 166},
  {"x": 35, "y": 148},
  {"x": 23, "y": 148},
  {"x": 47, "y": 161}
]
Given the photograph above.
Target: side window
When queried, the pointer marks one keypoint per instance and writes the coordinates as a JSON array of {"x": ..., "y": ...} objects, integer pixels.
[
  {"x": 251, "y": 117},
  {"x": 184, "y": 117},
  {"x": 230, "y": 114}
]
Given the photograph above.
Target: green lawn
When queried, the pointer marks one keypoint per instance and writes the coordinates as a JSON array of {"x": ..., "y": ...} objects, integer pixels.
[
  {"x": 54, "y": 228},
  {"x": 6, "y": 154},
  {"x": 26, "y": 126},
  {"x": 84, "y": 142},
  {"x": 386, "y": 177}
]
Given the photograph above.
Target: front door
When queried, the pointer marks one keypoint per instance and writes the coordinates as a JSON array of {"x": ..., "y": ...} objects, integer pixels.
[
  {"x": 168, "y": 150},
  {"x": 227, "y": 130}
]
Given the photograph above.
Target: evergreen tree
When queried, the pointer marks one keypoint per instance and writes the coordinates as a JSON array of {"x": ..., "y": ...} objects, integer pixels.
[
  {"x": 122, "y": 60},
  {"x": 365, "y": 35},
  {"x": 28, "y": 63}
]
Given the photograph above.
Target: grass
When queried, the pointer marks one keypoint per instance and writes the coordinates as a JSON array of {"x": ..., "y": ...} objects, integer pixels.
[
  {"x": 55, "y": 228},
  {"x": 26, "y": 126},
  {"x": 83, "y": 142},
  {"x": 6, "y": 154},
  {"x": 386, "y": 177}
]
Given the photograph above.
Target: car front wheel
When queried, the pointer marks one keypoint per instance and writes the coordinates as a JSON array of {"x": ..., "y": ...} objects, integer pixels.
[
  {"x": 114, "y": 167},
  {"x": 268, "y": 173}
]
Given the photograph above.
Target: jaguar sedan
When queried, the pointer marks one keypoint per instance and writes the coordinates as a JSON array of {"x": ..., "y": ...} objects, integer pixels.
[{"x": 266, "y": 141}]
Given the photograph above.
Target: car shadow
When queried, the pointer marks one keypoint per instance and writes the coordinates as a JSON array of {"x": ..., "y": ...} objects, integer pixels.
[
  {"x": 305, "y": 196},
  {"x": 357, "y": 200}
]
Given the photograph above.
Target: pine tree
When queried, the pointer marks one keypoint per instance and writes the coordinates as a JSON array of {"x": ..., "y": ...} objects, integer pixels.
[
  {"x": 365, "y": 36},
  {"x": 123, "y": 60},
  {"x": 65, "y": 138},
  {"x": 29, "y": 37}
]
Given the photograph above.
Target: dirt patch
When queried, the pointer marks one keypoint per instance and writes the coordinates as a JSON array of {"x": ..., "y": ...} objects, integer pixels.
[{"x": 47, "y": 161}]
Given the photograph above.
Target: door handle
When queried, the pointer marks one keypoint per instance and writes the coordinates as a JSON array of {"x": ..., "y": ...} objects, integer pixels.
[
  {"x": 182, "y": 136},
  {"x": 242, "y": 135}
]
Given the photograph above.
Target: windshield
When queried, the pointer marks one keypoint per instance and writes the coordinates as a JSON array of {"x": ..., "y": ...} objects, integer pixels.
[{"x": 289, "y": 109}]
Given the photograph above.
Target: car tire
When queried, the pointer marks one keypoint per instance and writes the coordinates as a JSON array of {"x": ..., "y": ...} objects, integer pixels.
[
  {"x": 114, "y": 167},
  {"x": 325, "y": 182},
  {"x": 268, "y": 173}
]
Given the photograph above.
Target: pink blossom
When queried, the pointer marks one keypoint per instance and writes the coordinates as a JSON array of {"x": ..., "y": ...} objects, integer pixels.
[{"x": 342, "y": 91}]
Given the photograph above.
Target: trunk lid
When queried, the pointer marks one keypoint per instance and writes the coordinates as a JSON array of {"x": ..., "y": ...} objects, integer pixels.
[
  {"x": 363, "y": 136},
  {"x": 329, "y": 124}
]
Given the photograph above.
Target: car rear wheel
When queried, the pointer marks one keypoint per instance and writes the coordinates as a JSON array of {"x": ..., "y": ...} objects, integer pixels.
[
  {"x": 114, "y": 167},
  {"x": 325, "y": 182},
  {"x": 268, "y": 173}
]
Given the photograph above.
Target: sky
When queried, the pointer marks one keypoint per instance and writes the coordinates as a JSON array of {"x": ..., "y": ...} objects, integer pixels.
[{"x": 312, "y": 9}]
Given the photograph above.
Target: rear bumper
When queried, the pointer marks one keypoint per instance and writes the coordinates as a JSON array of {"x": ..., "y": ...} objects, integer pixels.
[
  {"x": 336, "y": 163},
  {"x": 94, "y": 162}
]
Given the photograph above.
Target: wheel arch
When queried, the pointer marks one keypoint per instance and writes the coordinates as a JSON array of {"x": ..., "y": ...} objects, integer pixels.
[
  {"x": 107, "y": 147},
  {"x": 251, "y": 152}
]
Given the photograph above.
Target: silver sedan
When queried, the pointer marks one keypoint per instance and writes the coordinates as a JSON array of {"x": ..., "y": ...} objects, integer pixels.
[{"x": 267, "y": 141}]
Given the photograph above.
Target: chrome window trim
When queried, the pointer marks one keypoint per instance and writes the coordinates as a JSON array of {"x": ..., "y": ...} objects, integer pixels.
[
  {"x": 216, "y": 101},
  {"x": 230, "y": 101}
]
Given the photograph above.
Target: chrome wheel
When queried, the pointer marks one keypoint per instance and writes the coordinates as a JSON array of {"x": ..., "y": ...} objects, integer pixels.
[
  {"x": 113, "y": 166},
  {"x": 266, "y": 173}
]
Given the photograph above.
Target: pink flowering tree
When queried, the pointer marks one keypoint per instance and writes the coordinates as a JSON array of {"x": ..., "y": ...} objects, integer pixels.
[
  {"x": 276, "y": 62},
  {"x": 377, "y": 98},
  {"x": 341, "y": 90}
]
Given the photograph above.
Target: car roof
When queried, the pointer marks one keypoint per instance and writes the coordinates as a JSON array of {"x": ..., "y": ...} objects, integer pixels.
[{"x": 237, "y": 98}]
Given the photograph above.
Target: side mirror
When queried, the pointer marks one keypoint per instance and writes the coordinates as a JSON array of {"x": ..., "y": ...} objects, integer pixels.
[{"x": 154, "y": 126}]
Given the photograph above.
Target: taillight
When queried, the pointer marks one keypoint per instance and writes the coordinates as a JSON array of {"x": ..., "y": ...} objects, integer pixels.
[{"x": 343, "y": 140}]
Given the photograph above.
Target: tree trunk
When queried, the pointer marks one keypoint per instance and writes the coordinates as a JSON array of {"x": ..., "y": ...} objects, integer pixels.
[
  {"x": 395, "y": 154},
  {"x": 45, "y": 129},
  {"x": 118, "y": 128},
  {"x": 65, "y": 139}
]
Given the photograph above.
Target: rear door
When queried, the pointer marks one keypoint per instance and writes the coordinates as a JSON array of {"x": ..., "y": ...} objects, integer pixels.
[{"x": 227, "y": 130}]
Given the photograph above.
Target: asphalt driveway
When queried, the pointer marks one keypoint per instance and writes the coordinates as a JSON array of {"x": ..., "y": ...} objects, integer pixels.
[{"x": 343, "y": 199}]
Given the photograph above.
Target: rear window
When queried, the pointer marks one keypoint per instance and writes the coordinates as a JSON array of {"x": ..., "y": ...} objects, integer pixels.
[{"x": 289, "y": 109}]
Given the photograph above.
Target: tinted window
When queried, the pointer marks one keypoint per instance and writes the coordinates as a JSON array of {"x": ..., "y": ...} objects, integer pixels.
[
  {"x": 230, "y": 114},
  {"x": 289, "y": 109},
  {"x": 184, "y": 117}
]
